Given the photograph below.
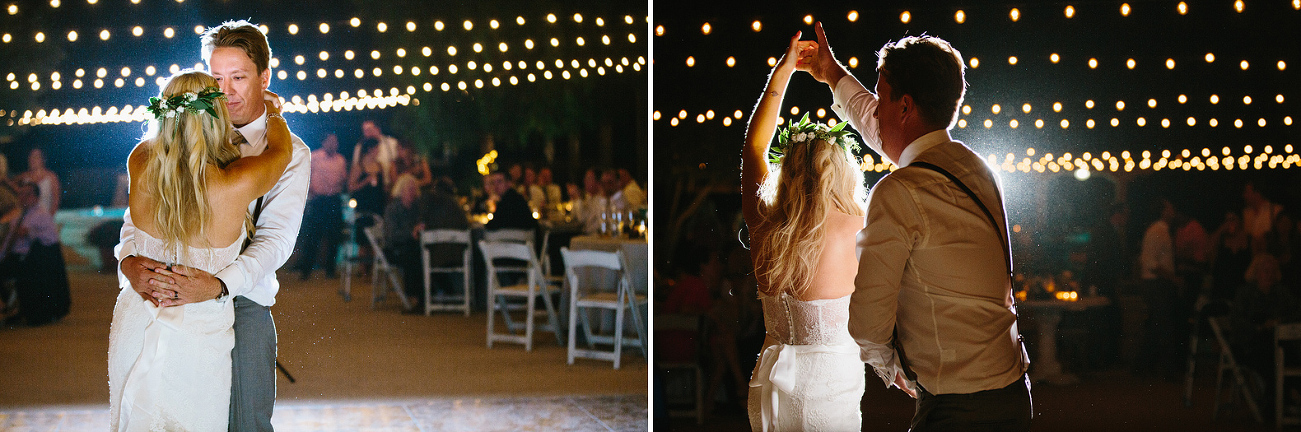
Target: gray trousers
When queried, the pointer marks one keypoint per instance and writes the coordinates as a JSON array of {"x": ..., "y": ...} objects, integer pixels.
[{"x": 253, "y": 384}]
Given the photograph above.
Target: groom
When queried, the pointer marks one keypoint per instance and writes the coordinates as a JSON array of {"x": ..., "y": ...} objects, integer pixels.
[
  {"x": 932, "y": 308},
  {"x": 238, "y": 57}
]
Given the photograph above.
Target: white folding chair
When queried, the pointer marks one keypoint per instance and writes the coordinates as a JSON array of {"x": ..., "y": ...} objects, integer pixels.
[
  {"x": 453, "y": 237},
  {"x": 545, "y": 258},
  {"x": 636, "y": 298},
  {"x": 384, "y": 276},
  {"x": 1284, "y": 332},
  {"x": 532, "y": 288},
  {"x": 1229, "y": 364},
  {"x": 512, "y": 235},
  {"x": 584, "y": 296}
]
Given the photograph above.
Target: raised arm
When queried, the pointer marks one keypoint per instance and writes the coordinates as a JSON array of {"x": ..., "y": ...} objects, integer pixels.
[
  {"x": 253, "y": 176},
  {"x": 763, "y": 124}
]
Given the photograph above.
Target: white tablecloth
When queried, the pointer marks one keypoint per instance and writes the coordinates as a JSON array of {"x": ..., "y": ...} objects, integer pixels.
[{"x": 636, "y": 252}]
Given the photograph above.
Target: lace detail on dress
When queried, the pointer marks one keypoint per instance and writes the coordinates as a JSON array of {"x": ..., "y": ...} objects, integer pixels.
[
  {"x": 170, "y": 368},
  {"x": 815, "y": 322}
]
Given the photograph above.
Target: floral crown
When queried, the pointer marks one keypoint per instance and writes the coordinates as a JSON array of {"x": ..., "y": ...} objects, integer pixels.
[
  {"x": 203, "y": 101},
  {"x": 806, "y": 131}
]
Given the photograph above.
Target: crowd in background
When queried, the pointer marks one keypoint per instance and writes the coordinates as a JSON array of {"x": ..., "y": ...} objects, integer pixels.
[{"x": 390, "y": 183}]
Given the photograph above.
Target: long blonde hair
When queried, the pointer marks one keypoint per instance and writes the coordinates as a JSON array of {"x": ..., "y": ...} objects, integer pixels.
[
  {"x": 180, "y": 151},
  {"x": 813, "y": 179}
]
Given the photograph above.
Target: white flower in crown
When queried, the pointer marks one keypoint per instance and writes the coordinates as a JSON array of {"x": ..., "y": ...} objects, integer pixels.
[
  {"x": 191, "y": 97},
  {"x": 169, "y": 113}
]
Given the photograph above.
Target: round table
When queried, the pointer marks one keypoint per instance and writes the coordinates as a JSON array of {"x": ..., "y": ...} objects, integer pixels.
[{"x": 1048, "y": 314}]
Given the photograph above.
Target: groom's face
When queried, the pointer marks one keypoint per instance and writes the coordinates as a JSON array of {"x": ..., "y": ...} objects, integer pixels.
[{"x": 239, "y": 79}]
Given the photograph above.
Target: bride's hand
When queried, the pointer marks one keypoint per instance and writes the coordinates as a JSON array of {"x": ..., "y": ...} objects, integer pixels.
[
  {"x": 799, "y": 54},
  {"x": 272, "y": 100}
]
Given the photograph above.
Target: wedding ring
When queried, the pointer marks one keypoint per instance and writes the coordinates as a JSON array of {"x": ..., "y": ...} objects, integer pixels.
[{"x": 175, "y": 295}]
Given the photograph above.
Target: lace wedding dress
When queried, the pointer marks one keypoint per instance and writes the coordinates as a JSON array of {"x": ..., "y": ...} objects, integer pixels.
[
  {"x": 169, "y": 369},
  {"x": 812, "y": 378}
]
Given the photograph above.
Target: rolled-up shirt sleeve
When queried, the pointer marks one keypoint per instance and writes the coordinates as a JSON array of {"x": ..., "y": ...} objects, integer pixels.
[
  {"x": 886, "y": 242},
  {"x": 855, "y": 104}
]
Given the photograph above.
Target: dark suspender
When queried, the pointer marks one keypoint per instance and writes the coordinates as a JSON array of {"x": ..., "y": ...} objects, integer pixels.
[
  {"x": 257, "y": 212},
  {"x": 1002, "y": 234},
  {"x": 1002, "y": 238}
]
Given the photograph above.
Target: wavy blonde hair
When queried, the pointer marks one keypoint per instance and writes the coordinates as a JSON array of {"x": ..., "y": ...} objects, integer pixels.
[
  {"x": 180, "y": 151},
  {"x": 813, "y": 179}
]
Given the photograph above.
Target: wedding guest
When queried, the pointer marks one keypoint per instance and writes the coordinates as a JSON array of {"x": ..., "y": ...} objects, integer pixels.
[
  {"x": 35, "y": 259},
  {"x": 441, "y": 210},
  {"x": 388, "y": 146},
  {"x": 549, "y": 190},
  {"x": 44, "y": 179},
  {"x": 592, "y": 203},
  {"x": 1259, "y": 213},
  {"x": 512, "y": 210},
  {"x": 536, "y": 196},
  {"x": 516, "y": 179},
  {"x": 1230, "y": 256},
  {"x": 401, "y": 241},
  {"x": 1260, "y": 306},
  {"x": 408, "y": 161},
  {"x": 1160, "y": 288},
  {"x": 632, "y": 193},
  {"x": 324, "y": 215}
]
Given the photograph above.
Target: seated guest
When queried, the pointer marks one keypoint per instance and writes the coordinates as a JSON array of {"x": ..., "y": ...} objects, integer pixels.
[
  {"x": 401, "y": 244},
  {"x": 35, "y": 260},
  {"x": 1260, "y": 306},
  {"x": 592, "y": 203},
  {"x": 441, "y": 210},
  {"x": 632, "y": 193},
  {"x": 549, "y": 190},
  {"x": 512, "y": 210}
]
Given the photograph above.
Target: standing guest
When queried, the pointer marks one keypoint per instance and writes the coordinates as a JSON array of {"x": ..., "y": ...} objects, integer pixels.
[
  {"x": 408, "y": 161},
  {"x": 401, "y": 241},
  {"x": 1160, "y": 288},
  {"x": 1258, "y": 214},
  {"x": 324, "y": 214},
  {"x": 44, "y": 179},
  {"x": 512, "y": 210},
  {"x": 239, "y": 57},
  {"x": 1230, "y": 256},
  {"x": 932, "y": 309},
  {"x": 36, "y": 261},
  {"x": 388, "y": 146}
]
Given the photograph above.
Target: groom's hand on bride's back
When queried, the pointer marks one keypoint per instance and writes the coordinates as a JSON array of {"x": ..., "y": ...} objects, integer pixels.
[
  {"x": 189, "y": 285},
  {"x": 140, "y": 271}
]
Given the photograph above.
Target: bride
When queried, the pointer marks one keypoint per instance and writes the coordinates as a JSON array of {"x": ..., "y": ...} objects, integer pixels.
[
  {"x": 170, "y": 368},
  {"x": 803, "y": 212}
]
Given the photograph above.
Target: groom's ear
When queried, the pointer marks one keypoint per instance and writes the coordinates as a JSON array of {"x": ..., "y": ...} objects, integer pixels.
[
  {"x": 907, "y": 109},
  {"x": 265, "y": 76}
]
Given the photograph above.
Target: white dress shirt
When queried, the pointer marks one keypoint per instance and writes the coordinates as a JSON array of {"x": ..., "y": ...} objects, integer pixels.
[
  {"x": 932, "y": 265},
  {"x": 253, "y": 274}
]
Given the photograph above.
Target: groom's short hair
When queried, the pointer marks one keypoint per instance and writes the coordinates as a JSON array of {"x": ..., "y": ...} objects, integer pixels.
[
  {"x": 238, "y": 34},
  {"x": 930, "y": 70}
]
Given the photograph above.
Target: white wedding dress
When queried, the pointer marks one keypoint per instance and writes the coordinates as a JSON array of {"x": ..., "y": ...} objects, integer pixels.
[
  {"x": 169, "y": 369},
  {"x": 812, "y": 379}
]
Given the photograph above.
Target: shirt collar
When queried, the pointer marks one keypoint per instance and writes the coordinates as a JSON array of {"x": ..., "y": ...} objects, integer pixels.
[
  {"x": 256, "y": 131},
  {"x": 921, "y": 144}
]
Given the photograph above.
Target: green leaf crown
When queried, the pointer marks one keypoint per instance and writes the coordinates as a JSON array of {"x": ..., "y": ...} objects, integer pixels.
[
  {"x": 203, "y": 101},
  {"x": 806, "y": 131}
]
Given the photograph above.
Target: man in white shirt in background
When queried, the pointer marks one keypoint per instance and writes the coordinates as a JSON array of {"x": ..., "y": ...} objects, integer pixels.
[
  {"x": 388, "y": 146},
  {"x": 1160, "y": 287},
  {"x": 932, "y": 309},
  {"x": 238, "y": 56}
]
